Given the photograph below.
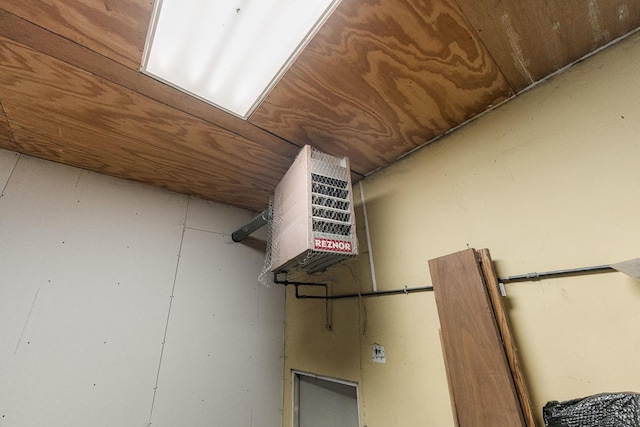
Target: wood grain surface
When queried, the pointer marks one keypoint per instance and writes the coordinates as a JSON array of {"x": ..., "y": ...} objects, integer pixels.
[
  {"x": 65, "y": 114},
  {"x": 116, "y": 29},
  {"x": 531, "y": 39},
  {"x": 65, "y": 50},
  {"x": 481, "y": 382},
  {"x": 6, "y": 136},
  {"x": 381, "y": 78},
  {"x": 508, "y": 341},
  {"x": 378, "y": 80}
]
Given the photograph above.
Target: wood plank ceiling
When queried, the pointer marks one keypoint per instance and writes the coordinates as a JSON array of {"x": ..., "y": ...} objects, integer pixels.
[{"x": 378, "y": 80}]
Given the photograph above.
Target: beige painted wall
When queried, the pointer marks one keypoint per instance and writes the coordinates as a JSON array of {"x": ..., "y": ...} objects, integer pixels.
[{"x": 550, "y": 180}]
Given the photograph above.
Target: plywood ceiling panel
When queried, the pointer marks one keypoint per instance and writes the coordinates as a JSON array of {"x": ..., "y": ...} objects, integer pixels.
[
  {"x": 116, "y": 29},
  {"x": 532, "y": 39},
  {"x": 381, "y": 78},
  {"x": 378, "y": 80},
  {"x": 83, "y": 120},
  {"x": 51, "y": 44}
]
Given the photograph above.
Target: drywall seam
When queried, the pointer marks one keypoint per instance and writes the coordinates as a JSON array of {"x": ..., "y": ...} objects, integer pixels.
[
  {"x": 166, "y": 326},
  {"x": 15, "y": 165}
]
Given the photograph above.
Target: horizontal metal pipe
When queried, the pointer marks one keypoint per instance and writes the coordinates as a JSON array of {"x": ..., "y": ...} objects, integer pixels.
[
  {"x": 360, "y": 295},
  {"x": 557, "y": 273},
  {"x": 366, "y": 294},
  {"x": 288, "y": 283},
  {"x": 255, "y": 224}
]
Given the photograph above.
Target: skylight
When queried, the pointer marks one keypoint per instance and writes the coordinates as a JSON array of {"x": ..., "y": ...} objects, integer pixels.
[{"x": 229, "y": 53}]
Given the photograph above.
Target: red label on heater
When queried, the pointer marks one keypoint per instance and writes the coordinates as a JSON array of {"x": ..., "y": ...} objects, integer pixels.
[{"x": 332, "y": 245}]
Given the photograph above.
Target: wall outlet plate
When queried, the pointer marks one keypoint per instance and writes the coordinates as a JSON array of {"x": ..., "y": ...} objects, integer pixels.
[{"x": 378, "y": 354}]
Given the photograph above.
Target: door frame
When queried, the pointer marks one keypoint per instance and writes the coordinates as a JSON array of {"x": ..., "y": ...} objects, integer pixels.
[{"x": 295, "y": 392}]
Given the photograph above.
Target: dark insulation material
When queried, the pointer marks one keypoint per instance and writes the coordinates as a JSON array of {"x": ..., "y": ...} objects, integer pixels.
[{"x": 601, "y": 410}]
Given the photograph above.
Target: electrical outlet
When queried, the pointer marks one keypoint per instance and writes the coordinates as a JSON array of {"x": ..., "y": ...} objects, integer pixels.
[{"x": 378, "y": 354}]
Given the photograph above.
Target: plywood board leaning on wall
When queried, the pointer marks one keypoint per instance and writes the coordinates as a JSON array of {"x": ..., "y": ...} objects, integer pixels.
[
  {"x": 481, "y": 381},
  {"x": 502, "y": 322}
]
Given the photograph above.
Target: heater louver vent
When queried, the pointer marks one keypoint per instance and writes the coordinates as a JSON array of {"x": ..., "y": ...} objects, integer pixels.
[
  {"x": 327, "y": 190},
  {"x": 329, "y": 214},
  {"x": 330, "y": 203},
  {"x": 329, "y": 181},
  {"x": 332, "y": 227}
]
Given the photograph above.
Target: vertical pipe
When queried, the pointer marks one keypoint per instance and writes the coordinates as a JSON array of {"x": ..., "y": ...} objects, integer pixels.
[{"x": 366, "y": 229}]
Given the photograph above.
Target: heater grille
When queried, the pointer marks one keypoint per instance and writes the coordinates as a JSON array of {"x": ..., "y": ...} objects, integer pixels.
[
  {"x": 327, "y": 220},
  {"x": 313, "y": 216}
]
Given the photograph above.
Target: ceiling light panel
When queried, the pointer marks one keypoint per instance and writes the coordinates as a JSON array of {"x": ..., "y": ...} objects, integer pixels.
[{"x": 229, "y": 53}]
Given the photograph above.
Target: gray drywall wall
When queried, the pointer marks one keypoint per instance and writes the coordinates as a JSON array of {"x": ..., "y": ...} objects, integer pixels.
[{"x": 127, "y": 305}]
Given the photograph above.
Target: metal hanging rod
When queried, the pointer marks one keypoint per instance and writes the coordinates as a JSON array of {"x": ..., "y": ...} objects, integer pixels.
[
  {"x": 631, "y": 268},
  {"x": 557, "y": 273},
  {"x": 251, "y": 227}
]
